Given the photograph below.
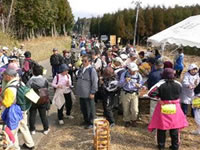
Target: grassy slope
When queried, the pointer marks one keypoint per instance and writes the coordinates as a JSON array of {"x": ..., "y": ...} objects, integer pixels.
[
  {"x": 41, "y": 48},
  {"x": 7, "y": 40}
]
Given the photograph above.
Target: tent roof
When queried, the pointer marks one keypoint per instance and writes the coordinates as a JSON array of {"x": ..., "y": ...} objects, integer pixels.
[{"x": 185, "y": 33}]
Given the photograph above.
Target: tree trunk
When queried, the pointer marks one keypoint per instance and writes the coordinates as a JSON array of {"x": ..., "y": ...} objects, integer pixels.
[
  {"x": 52, "y": 31},
  {"x": 3, "y": 23},
  {"x": 33, "y": 33},
  {"x": 9, "y": 15},
  {"x": 44, "y": 32},
  {"x": 55, "y": 31},
  {"x": 30, "y": 34},
  {"x": 64, "y": 30},
  {"x": 27, "y": 32}
]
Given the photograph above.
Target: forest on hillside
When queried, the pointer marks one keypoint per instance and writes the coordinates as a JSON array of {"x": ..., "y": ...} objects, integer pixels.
[
  {"x": 27, "y": 19},
  {"x": 151, "y": 20}
]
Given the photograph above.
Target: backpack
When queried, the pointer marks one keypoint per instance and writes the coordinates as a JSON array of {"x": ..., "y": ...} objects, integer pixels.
[
  {"x": 57, "y": 79},
  {"x": 90, "y": 72},
  {"x": 44, "y": 96},
  {"x": 135, "y": 78},
  {"x": 4, "y": 56},
  {"x": 28, "y": 74},
  {"x": 21, "y": 99},
  {"x": 42, "y": 92},
  {"x": 101, "y": 68}
]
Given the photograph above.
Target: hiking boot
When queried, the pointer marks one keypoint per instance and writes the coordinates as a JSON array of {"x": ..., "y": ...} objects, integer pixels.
[
  {"x": 24, "y": 146},
  {"x": 139, "y": 118},
  {"x": 112, "y": 125},
  {"x": 46, "y": 131},
  {"x": 133, "y": 124},
  {"x": 69, "y": 117},
  {"x": 33, "y": 132},
  {"x": 161, "y": 147},
  {"x": 89, "y": 127},
  {"x": 171, "y": 147},
  {"x": 127, "y": 124},
  {"x": 61, "y": 122},
  {"x": 196, "y": 132},
  {"x": 83, "y": 123}
]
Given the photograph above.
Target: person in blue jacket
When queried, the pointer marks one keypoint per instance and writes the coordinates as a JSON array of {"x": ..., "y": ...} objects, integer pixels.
[{"x": 179, "y": 63}]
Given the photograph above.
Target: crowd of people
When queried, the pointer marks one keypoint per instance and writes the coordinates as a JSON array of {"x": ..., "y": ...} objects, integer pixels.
[
  {"x": 116, "y": 77},
  {"x": 109, "y": 75}
]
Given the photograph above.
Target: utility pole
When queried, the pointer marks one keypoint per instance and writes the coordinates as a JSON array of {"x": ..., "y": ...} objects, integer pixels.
[{"x": 137, "y": 3}]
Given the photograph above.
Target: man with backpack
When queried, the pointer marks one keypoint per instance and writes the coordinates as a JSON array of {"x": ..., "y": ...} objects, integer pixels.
[
  {"x": 87, "y": 86},
  {"x": 55, "y": 60},
  {"x": 27, "y": 67},
  {"x": 13, "y": 94},
  {"x": 12, "y": 115},
  {"x": 131, "y": 82}
]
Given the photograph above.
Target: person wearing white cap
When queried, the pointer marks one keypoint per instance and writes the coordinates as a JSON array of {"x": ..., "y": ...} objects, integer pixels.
[
  {"x": 118, "y": 67},
  {"x": 5, "y": 48},
  {"x": 131, "y": 82},
  {"x": 118, "y": 60},
  {"x": 124, "y": 57},
  {"x": 190, "y": 81},
  {"x": 132, "y": 58}
]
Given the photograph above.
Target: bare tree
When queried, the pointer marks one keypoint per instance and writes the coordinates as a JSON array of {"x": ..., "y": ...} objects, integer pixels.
[
  {"x": 2, "y": 16},
  {"x": 9, "y": 15}
]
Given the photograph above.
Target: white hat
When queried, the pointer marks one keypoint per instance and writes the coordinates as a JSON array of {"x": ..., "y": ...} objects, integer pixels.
[
  {"x": 15, "y": 48},
  {"x": 5, "y": 48},
  {"x": 132, "y": 66},
  {"x": 123, "y": 56},
  {"x": 133, "y": 50},
  {"x": 118, "y": 59},
  {"x": 133, "y": 54},
  {"x": 192, "y": 66}
]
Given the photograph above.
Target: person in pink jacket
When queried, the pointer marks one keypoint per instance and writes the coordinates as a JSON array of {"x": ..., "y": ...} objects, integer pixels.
[
  {"x": 168, "y": 114},
  {"x": 62, "y": 82}
]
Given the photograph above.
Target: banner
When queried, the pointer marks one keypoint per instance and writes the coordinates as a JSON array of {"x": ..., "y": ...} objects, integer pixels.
[{"x": 112, "y": 40}]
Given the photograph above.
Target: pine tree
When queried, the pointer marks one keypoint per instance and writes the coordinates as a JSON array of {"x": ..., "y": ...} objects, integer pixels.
[
  {"x": 148, "y": 16},
  {"x": 120, "y": 26}
]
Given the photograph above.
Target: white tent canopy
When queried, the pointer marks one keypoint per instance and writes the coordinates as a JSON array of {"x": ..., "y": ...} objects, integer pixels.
[{"x": 184, "y": 33}]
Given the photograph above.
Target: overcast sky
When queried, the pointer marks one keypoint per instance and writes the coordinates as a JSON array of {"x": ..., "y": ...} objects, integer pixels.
[{"x": 89, "y": 8}]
